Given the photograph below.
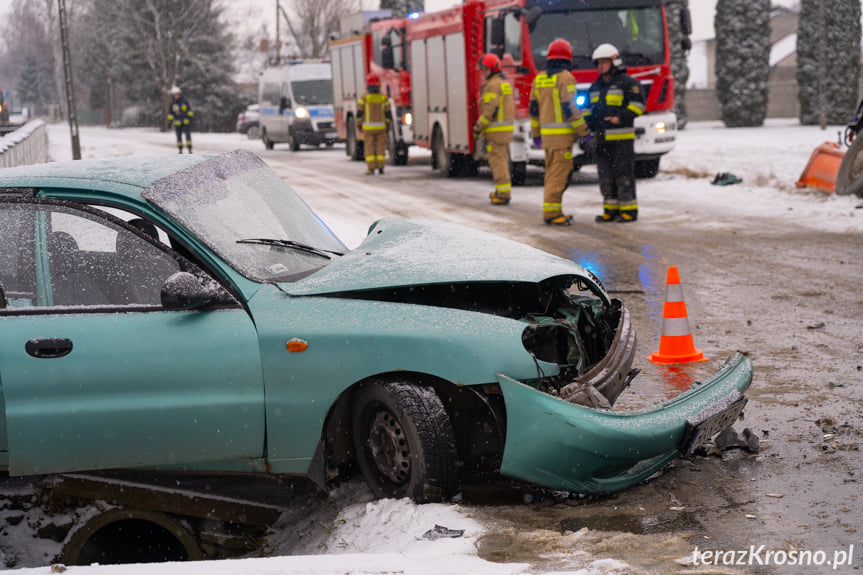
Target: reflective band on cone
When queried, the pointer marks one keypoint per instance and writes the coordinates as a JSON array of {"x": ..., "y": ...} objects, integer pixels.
[{"x": 675, "y": 342}]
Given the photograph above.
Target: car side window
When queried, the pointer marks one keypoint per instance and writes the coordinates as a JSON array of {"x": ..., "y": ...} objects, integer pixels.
[
  {"x": 17, "y": 277},
  {"x": 60, "y": 256}
]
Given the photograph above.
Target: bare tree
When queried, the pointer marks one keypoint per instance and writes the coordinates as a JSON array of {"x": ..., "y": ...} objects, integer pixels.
[{"x": 312, "y": 23}]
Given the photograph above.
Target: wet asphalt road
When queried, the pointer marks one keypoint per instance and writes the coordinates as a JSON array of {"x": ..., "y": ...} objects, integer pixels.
[{"x": 788, "y": 298}]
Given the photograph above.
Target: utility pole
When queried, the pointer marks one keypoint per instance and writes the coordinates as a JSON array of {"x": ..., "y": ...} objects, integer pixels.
[
  {"x": 278, "y": 40},
  {"x": 70, "y": 87},
  {"x": 822, "y": 64}
]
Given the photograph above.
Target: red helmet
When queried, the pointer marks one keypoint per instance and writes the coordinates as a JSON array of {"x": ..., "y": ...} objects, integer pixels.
[
  {"x": 490, "y": 61},
  {"x": 373, "y": 79},
  {"x": 560, "y": 49}
]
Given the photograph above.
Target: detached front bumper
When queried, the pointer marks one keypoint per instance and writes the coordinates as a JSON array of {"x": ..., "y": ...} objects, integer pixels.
[{"x": 560, "y": 445}]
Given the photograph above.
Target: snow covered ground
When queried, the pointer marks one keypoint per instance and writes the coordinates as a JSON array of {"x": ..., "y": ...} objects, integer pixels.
[{"x": 378, "y": 537}]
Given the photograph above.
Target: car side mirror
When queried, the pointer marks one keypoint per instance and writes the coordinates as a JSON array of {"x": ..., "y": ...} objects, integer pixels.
[
  {"x": 183, "y": 290},
  {"x": 388, "y": 60},
  {"x": 686, "y": 44},
  {"x": 532, "y": 17},
  {"x": 283, "y": 104},
  {"x": 498, "y": 31},
  {"x": 685, "y": 22},
  {"x": 2, "y": 298}
]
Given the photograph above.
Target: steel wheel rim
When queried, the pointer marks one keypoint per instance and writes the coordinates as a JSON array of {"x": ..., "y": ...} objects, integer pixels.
[{"x": 389, "y": 447}]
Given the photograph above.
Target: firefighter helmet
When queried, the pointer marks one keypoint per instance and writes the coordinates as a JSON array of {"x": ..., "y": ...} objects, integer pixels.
[
  {"x": 560, "y": 49},
  {"x": 373, "y": 79},
  {"x": 607, "y": 51},
  {"x": 175, "y": 90},
  {"x": 490, "y": 61}
]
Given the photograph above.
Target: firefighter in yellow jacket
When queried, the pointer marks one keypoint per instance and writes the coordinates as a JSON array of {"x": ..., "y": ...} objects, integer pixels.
[
  {"x": 373, "y": 111},
  {"x": 557, "y": 121},
  {"x": 495, "y": 125}
]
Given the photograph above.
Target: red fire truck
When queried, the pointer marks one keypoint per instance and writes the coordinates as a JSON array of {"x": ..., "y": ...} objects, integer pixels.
[
  {"x": 372, "y": 42},
  {"x": 440, "y": 68}
]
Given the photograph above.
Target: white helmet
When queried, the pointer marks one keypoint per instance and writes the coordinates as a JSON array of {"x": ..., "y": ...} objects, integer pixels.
[
  {"x": 607, "y": 51},
  {"x": 175, "y": 90}
]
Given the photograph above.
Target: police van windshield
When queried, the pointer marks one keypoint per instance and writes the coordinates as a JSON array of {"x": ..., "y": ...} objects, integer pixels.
[
  {"x": 638, "y": 33},
  {"x": 312, "y": 92}
]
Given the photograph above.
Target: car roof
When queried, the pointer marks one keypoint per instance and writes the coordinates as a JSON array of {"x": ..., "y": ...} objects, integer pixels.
[{"x": 127, "y": 175}]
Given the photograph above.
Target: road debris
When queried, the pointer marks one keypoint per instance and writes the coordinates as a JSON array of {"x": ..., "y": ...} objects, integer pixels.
[{"x": 440, "y": 532}]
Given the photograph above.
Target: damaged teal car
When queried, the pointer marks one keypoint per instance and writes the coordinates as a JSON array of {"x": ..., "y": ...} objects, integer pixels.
[{"x": 192, "y": 313}]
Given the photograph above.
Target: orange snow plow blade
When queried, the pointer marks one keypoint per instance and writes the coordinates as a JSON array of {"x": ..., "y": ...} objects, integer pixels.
[{"x": 823, "y": 167}]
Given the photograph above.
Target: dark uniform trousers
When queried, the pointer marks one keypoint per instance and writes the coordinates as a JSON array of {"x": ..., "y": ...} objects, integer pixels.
[{"x": 617, "y": 95}]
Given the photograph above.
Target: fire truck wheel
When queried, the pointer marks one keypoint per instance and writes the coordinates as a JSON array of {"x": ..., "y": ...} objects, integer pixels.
[
  {"x": 442, "y": 160},
  {"x": 354, "y": 147}
]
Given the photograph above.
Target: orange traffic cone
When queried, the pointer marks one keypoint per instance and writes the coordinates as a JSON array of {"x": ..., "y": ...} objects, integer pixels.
[{"x": 675, "y": 342}]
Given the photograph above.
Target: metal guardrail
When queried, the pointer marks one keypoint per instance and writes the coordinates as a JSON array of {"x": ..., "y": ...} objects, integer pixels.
[{"x": 26, "y": 145}]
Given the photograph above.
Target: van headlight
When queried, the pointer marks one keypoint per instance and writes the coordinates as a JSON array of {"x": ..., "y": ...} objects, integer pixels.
[
  {"x": 302, "y": 113},
  {"x": 660, "y": 127},
  {"x": 407, "y": 119}
]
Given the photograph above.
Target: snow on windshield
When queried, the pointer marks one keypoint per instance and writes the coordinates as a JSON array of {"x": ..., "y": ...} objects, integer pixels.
[{"x": 235, "y": 197}]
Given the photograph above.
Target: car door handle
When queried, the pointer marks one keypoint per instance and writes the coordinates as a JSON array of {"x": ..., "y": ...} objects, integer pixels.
[{"x": 49, "y": 347}]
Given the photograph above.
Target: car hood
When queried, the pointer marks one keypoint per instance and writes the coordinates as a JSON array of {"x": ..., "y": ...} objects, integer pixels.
[{"x": 400, "y": 253}]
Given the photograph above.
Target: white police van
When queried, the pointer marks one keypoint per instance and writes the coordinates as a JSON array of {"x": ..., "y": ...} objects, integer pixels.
[{"x": 296, "y": 105}]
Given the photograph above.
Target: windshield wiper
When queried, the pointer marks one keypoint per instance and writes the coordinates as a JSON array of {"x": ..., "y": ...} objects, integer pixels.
[{"x": 291, "y": 244}]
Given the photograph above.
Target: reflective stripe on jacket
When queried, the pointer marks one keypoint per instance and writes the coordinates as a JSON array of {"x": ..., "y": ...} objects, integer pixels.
[
  {"x": 180, "y": 112},
  {"x": 373, "y": 109},
  {"x": 619, "y": 96},
  {"x": 559, "y": 122},
  {"x": 497, "y": 110}
]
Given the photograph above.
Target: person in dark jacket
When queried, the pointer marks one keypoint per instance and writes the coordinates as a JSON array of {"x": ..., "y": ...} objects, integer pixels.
[
  {"x": 180, "y": 116},
  {"x": 616, "y": 100}
]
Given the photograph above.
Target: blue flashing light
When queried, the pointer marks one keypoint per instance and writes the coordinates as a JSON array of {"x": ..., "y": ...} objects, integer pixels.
[
  {"x": 580, "y": 100},
  {"x": 413, "y": 15}
]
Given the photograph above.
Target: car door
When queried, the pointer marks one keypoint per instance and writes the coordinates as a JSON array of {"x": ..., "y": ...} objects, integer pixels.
[{"x": 94, "y": 372}]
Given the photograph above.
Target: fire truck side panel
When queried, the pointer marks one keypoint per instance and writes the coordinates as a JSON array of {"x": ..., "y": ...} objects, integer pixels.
[
  {"x": 456, "y": 92},
  {"x": 419, "y": 93}
]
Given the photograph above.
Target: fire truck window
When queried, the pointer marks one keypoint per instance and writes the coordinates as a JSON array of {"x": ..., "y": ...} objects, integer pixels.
[
  {"x": 376, "y": 47},
  {"x": 398, "y": 52},
  {"x": 512, "y": 28},
  {"x": 512, "y": 36}
]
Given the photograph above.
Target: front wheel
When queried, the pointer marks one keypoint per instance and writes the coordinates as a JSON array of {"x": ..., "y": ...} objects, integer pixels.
[
  {"x": 404, "y": 442},
  {"x": 646, "y": 168}
]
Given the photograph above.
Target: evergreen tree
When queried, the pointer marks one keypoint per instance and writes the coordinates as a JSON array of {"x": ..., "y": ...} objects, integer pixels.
[
  {"x": 136, "y": 50},
  {"x": 841, "y": 73},
  {"x": 742, "y": 60},
  {"x": 679, "y": 64}
]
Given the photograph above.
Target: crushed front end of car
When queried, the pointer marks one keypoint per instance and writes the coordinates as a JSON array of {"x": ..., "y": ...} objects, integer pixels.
[{"x": 563, "y": 445}]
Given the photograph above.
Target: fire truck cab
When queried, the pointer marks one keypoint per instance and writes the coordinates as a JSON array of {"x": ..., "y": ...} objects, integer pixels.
[{"x": 445, "y": 48}]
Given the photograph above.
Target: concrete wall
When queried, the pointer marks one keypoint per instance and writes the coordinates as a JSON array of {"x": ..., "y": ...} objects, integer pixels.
[{"x": 26, "y": 145}]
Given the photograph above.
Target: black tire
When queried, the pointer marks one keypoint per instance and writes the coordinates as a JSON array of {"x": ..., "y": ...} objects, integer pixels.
[
  {"x": 292, "y": 141},
  {"x": 404, "y": 442},
  {"x": 268, "y": 143},
  {"x": 401, "y": 154},
  {"x": 354, "y": 147},
  {"x": 646, "y": 168},
  {"x": 442, "y": 160},
  {"x": 849, "y": 179},
  {"x": 517, "y": 173}
]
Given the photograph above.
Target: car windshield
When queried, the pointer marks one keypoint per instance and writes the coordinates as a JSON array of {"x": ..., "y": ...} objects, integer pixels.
[
  {"x": 312, "y": 92},
  {"x": 637, "y": 32},
  {"x": 249, "y": 216}
]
